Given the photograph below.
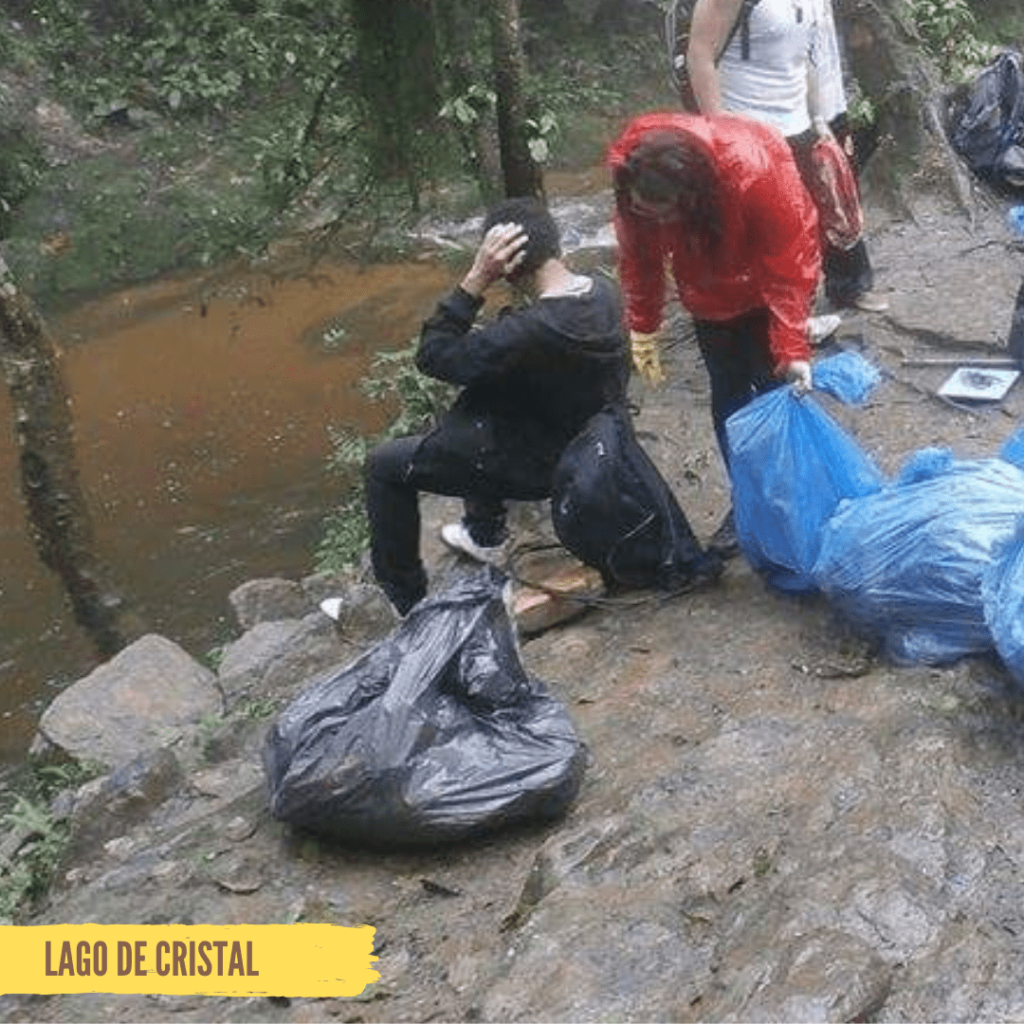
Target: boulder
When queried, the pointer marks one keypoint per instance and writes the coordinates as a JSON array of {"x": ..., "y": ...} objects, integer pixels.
[
  {"x": 275, "y": 658},
  {"x": 268, "y": 600},
  {"x": 147, "y": 696}
]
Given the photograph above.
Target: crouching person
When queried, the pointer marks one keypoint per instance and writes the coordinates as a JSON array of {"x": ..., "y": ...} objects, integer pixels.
[{"x": 531, "y": 378}]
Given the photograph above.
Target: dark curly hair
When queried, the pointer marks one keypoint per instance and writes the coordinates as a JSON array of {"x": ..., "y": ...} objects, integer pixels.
[
  {"x": 666, "y": 167},
  {"x": 543, "y": 241}
]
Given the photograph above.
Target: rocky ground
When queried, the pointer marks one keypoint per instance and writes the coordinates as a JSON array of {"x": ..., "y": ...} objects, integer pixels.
[{"x": 775, "y": 823}]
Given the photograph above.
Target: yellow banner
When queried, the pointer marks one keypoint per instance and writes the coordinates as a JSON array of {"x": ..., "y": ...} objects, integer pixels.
[{"x": 176, "y": 959}]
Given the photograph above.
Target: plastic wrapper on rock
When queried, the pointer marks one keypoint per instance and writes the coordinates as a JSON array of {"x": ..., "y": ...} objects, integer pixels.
[{"x": 435, "y": 734}]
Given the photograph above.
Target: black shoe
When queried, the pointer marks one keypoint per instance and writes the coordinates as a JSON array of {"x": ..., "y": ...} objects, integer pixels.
[{"x": 724, "y": 541}]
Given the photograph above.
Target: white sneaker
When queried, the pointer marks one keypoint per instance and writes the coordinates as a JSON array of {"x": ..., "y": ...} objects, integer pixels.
[
  {"x": 822, "y": 327},
  {"x": 457, "y": 537}
]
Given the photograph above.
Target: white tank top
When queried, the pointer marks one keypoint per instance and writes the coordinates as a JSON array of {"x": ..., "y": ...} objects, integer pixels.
[
  {"x": 772, "y": 84},
  {"x": 826, "y": 58}
]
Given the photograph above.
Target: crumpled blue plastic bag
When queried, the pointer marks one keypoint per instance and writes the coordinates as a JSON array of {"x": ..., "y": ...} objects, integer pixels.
[
  {"x": 1013, "y": 450},
  {"x": 847, "y": 376},
  {"x": 435, "y": 734},
  {"x": 790, "y": 465},
  {"x": 1003, "y": 596},
  {"x": 907, "y": 564}
]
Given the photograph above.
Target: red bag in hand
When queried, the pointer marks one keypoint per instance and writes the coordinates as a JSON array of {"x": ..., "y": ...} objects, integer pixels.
[{"x": 833, "y": 187}]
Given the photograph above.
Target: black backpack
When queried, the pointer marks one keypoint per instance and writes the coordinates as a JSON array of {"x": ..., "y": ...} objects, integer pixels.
[
  {"x": 678, "y": 15},
  {"x": 613, "y": 510}
]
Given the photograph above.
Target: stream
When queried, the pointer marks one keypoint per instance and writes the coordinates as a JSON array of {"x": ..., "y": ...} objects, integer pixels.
[{"x": 201, "y": 407}]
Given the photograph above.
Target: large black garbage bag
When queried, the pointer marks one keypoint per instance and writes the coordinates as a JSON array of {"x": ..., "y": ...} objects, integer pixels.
[
  {"x": 613, "y": 510},
  {"x": 435, "y": 734},
  {"x": 989, "y": 133}
]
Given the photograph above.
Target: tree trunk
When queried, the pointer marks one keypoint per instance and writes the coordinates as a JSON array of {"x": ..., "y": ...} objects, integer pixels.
[
  {"x": 521, "y": 173},
  {"x": 479, "y": 137},
  {"x": 395, "y": 73},
  {"x": 58, "y": 516},
  {"x": 887, "y": 59}
]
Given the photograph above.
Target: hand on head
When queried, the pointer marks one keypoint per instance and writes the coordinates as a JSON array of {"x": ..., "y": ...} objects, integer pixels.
[{"x": 502, "y": 250}]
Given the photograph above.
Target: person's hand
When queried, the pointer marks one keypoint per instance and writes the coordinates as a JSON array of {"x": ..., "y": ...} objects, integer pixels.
[
  {"x": 502, "y": 250},
  {"x": 821, "y": 128},
  {"x": 646, "y": 360},
  {"x": 798, "y": 373}
]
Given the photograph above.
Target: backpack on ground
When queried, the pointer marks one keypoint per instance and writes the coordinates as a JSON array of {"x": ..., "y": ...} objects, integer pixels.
[
  {"x": 612, "y": 509},
  {"x": 678, "y": 16}
]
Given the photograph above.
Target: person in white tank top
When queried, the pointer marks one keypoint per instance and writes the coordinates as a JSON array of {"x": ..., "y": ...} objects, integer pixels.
[
  {"x": 784, "y": 69},
  {"x": 771, "y": 82}
]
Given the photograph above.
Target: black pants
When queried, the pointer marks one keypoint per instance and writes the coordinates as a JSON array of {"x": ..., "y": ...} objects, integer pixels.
[
  {"x": 848, "y": 272},
  {"x": 395, "y": 473},
  {"x": 739, "y": 365}
]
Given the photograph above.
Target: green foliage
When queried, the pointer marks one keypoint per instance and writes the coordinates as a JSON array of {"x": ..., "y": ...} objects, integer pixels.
[
  {"x": 393, "y": 378},
  {"x": 188, "y": 55},
  {"x": 471, "y": 106},
  {"x": 27, "y": 876},
  {"x": 118, "y": 234},
  {"x": 861, "y": 112},
  {"x": 420, "y": 398},
  {"x": 21, "y": 167},
  {"x": 949, "y": 30},
  {"x": 32, "y": 869}
]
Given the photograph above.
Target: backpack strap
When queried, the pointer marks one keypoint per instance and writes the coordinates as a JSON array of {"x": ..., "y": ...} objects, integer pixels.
[{"x": 742, "y": 21}]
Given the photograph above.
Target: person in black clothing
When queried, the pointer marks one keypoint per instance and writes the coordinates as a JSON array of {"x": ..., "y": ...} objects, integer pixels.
[{"x": 531, "y": 378}]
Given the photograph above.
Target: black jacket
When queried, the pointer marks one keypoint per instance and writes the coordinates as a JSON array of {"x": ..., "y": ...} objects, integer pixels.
[{"x": 531, "y": 379}]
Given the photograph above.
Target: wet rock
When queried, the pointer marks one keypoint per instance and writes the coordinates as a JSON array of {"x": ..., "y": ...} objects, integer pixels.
[
  {"x": 240, "y": 828},
  {"x": 279, "y": 657},
  {"x": 824, "y": 976},
  {"x": 109, "y": 806},
  {"x": 228, "y": 781},
  {"x": 144, "y": 698},
  {"x": 238, "y": 873},
  {"x": 268, "y": 600},
  {"x": 364, "y": 613}
]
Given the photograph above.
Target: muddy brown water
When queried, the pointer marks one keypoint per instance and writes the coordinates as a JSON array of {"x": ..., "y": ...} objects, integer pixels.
[{"x": 201, "y": 407}]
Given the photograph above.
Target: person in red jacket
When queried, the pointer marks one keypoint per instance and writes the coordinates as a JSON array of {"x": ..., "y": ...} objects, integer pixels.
[{"x": 720, "y": 201}]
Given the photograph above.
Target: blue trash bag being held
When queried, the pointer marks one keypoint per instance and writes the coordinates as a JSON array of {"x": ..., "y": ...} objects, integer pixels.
[
  {"x": 435, "y": 734},
  {"x": 908, "y": 564},
  {"x": 790, "y": 465}
]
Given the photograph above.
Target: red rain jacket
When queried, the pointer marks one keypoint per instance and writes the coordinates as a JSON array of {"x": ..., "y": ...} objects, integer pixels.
[{"x": 769, "y": 257}]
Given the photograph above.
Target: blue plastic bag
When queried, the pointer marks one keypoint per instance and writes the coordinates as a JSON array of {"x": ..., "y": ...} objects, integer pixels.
[
  {"x": 1013, "y": 450},
  {"x": 847, "y": 376},
  {"x": 1003, "y": 595},
  {"x": 790, "y": 465},
  {"x": 908, "y": 563}
]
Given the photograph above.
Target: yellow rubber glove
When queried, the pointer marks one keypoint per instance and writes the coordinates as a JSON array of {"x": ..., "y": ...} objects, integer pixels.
[{"x": 646, "y": 360}]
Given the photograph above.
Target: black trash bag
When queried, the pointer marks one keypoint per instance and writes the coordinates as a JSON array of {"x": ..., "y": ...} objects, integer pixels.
[
  {"x": 435, "y": 734},
  {"x": 989, "y": 131},
  {"x": 613, "y": 510}
]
